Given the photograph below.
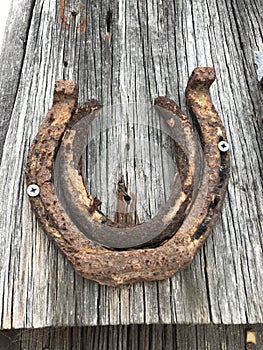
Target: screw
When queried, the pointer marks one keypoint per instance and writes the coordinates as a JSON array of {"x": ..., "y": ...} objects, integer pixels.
[
  {"x": 33, "y": 190},
  {"x": 223, "y": 146}
]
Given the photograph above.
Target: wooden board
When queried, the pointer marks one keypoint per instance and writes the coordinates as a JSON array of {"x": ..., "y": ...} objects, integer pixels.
[
  {"x": 133, "y": 337},
  {"x": 12, "y": 59},
  {"x": 150, "y": 50}
]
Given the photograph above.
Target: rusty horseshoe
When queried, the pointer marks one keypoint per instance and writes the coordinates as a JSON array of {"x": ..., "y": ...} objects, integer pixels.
[{"x": 101, "y": 249}]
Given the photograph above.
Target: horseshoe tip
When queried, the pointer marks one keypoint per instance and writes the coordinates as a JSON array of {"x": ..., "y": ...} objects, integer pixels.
[
  {"x": 66, "y": 88},
  {"x": 166, "y": 103},
  {"x": 160, "y": 100},
  {"x": 204, "y": 74}
]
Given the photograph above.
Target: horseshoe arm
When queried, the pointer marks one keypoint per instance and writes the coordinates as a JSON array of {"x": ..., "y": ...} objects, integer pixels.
[
  {"x": 40, "y": 170},
  {"x": 216, "y": 163}
]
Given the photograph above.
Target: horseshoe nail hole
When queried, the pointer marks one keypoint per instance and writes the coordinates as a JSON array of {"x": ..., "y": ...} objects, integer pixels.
[
  {"x": 65, "y": 63},
  {"x": 215, "y": 202}
]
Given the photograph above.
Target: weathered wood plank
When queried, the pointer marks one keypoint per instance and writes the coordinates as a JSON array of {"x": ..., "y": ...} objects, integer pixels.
[
  {"x": 133, "y": 337},
  {"x": 12, "y": 56},
  {"x": 153, "y": 47}
]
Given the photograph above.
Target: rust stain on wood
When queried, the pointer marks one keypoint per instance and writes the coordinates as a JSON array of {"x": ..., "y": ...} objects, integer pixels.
[
  {"x": 107, "y": 37},
  {"x": 62, "y": 15},
  {"x": 74, "y": 13}
]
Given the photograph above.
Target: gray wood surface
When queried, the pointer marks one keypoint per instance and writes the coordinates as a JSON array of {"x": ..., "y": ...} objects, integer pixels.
[
  {"x": 150, "y": 50},
  {"x": 133, "y": 337},
  {"x": 12, "y": 59}
]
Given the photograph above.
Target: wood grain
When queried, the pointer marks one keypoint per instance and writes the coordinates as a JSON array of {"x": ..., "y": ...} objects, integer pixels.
[
  {"x": 148, "y": 49},
  {"x": 133, "y": 337},
  {"x": 12, "y": 59}
]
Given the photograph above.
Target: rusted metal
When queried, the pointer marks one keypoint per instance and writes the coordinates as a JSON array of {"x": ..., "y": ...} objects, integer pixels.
[{"x": 106, "y": 251}]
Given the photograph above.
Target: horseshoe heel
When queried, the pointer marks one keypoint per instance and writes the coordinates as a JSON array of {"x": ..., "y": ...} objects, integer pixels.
[{"x": 184, "y": 222}]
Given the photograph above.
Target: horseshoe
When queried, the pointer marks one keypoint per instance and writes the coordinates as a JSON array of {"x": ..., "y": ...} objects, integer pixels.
[{"x": 100, "y": 249}]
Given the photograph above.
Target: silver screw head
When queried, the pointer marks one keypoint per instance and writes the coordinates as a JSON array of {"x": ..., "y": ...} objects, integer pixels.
[
  {"x": 33, "y": 190},
  {"x": 223, "y": 146}
]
